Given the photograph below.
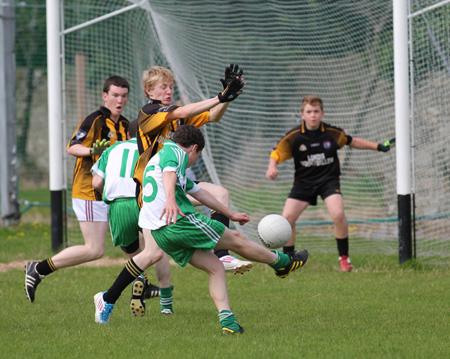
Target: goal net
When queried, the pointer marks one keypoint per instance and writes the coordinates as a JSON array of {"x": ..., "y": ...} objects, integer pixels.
[
  {"x": 430, "y": 68},
  {"x": 341, "y": 51}
]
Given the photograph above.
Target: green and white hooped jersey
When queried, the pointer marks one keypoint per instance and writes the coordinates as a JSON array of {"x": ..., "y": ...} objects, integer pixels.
[
  {"x": 173, "y": 159},
  {"x": 116, "y": 166}
]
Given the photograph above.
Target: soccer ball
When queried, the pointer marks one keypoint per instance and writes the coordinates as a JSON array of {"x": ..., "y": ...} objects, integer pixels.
[{"x": 274, "y": 231}]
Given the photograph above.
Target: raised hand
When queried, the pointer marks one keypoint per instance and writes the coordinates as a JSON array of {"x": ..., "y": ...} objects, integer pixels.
[
  {"x": 231, "y": 72},
  {"x": 99, "y": 146},
  {"x": 232, "y": 91}
]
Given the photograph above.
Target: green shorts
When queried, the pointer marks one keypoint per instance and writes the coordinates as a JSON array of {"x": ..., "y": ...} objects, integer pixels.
[
  {"x": 195, "y": 231},
  {"x": 123, "y": 221}
]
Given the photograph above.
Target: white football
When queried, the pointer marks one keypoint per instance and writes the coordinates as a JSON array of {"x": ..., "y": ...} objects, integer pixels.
[{"x": 274, "y": 231}]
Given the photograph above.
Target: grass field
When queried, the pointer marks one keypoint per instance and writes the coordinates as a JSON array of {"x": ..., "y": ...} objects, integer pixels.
[{"x": 381, "y": 309}]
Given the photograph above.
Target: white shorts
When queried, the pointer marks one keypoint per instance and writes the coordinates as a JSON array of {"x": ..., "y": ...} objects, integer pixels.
[{"x": 90, "y": 211}]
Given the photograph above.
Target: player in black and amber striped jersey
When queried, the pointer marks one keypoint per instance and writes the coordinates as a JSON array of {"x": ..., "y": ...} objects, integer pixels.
[
  {"x": 107, "y": 125},
  {"x": 98, "y": 125},
  {"x": 313, "y": 145},
  {"x": 158, "y": 119}
]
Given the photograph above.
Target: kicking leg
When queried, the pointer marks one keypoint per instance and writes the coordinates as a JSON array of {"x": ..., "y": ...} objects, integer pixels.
[
  {"x": 282, "y": 263},
  {"x": 231, "y": 264}
]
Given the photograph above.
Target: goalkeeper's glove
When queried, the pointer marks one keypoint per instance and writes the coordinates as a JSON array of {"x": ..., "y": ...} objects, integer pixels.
[
  {"x": 386, "y": 145},
  {"x": 99, "y": 146},
  {"x": 232, "y": 91},
  {"x": 231, "y": 72}
]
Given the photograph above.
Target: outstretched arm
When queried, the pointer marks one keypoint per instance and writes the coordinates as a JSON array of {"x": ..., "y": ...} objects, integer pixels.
[
  {"x": 210, "y": 201},
  {"x": 230, "y": 93},
  {"x": 363, "y": 144},
  {"x": 369, "y": 145},
  {"x": 193, "y": 109},
  {"x": 217, "y": 112}
]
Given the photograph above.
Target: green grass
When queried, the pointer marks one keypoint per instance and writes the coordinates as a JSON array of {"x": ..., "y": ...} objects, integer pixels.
[{"x": 381, "y": 309}]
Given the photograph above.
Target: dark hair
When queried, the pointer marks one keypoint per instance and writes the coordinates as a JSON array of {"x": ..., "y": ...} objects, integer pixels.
[
  {"x": 115, "y": 81},
  {"x": 133, "y": 128},
  {"x": 188, "y": 135}
]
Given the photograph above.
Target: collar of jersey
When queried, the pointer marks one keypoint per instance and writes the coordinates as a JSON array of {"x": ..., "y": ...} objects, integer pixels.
[{"x": 304, "y": 129}]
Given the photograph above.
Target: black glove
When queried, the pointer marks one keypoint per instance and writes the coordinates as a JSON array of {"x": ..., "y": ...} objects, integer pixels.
[
  {"x": 386, "y": 145},
  {"x": 232, "y": 91},
  {"x": 99, "y": 146},
  {"x": 231, "y": 72}
]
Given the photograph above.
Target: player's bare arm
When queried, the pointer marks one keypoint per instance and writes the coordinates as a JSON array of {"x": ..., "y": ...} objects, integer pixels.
[
  {"x": 233, "y": 86},
  {"x": 193, "y": 109},
  {"x": 369, "y": 145},
  {"x": 170, "y": 209},
  {"x": 363, "y": 144},
  {"x": 217, "y": 112},
  {"x": 230, "y": 93},
  {"x": 79, "y": 150},
  {"x": 210, "y": 201},
  {"x": 98, "y": 182},
  {"x": 272, "y": 170}
]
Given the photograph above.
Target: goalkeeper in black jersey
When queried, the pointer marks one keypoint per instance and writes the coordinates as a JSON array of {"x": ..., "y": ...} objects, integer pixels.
[{"x": 313, "y": 145}]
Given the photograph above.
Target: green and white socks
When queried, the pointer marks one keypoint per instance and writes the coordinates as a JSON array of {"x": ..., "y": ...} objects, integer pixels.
[
  {"x": 166, "y": 300},
  {"x": 228, "y": 321}
]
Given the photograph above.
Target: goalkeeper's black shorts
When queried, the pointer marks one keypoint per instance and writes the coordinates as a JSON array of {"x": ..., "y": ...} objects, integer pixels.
[{"x": 309, "y": 193}]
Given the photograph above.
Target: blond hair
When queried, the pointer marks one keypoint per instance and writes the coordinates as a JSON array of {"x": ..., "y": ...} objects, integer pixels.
[
  {"x": 154, "y": 75},
  {"x": 312, "y": 100}
]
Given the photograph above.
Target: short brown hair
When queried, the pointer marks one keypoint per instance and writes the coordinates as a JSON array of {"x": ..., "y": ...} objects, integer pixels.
[
  {"x": 115, "y": 81},
  {"x": 154, "y": 75},
  {"x": 312, "y": 100},
  {"x": 188, "y": 135}
]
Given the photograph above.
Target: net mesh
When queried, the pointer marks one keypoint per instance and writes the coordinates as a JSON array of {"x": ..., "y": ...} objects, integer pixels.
[
  {"x": 341, "y": 51},
  {"x": 431, "y": 111}
]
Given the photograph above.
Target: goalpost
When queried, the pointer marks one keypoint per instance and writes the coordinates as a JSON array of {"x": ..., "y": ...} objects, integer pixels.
[
  {"x": 402, "y": 129},
  {"x": 341, "y": 51}
]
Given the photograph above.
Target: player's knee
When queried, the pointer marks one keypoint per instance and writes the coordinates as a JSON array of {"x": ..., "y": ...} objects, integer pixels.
[
  {"x": 157, "y": 256},
  {"x": 152, "y": 256},
  {"x": 239, "y": 241},
  {"x": 290, "y": 219},
  {"x": 340, "y": 219},
  {"x": 96, "y": 253}
]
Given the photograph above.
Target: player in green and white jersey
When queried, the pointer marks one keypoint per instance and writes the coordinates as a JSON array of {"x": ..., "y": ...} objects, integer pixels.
[
  {"x": 113, "y": 175},
  {"x": 170, "y": 224}
]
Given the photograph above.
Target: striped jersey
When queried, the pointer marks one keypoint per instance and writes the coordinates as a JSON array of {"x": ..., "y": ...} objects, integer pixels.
[
  {"x": 153, "y": 130},
  {"x": 96, "y": 126}
]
